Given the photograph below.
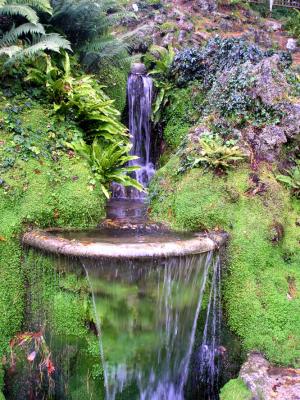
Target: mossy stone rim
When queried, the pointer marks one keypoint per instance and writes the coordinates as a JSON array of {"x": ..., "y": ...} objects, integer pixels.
[{"x": 200, "y": 243}]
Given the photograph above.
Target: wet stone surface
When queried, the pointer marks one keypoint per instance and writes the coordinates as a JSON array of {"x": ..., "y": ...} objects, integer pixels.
[{"x": 269, "y": 382}]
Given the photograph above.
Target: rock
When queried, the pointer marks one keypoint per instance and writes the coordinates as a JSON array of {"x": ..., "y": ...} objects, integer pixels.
[
  {"x": 168, "y": 39},
  {"x": 290, "y": 122},
  {"x": 226, "y": 25},
  {"x": 262, "y": 38},
  {"x": 185, "y": 25},
  {"x": 182, "y": 36},
  {"x": 140, "y": 39},
  {"x": 206, "y": 6},
  {"x": 197, "y": 132},
  {"x": 273, "y": 26},
  {"x": 267, "y": 142},
  {"x": 270, "y": 83},
  {"x": 199, "y": 37},
  {"x": 291, "y": 45},
  {"x": 159, "y": 19},
  {"x": 268, "y": 382}
]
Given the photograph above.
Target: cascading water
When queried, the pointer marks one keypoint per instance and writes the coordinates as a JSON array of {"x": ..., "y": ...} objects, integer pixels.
[
  {"x": 139, "y": 98},
  {"x": 149, "y": 311}
]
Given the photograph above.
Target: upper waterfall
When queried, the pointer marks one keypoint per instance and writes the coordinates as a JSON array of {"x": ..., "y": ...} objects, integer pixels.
[{"x": 139, "y": 100}]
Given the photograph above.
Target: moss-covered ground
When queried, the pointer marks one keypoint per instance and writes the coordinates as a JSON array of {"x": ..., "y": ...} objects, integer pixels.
[
  {"x": 235, "y": 390},
  {"x": 262, "y": 280},
  {"x": 42, "y": 184}
]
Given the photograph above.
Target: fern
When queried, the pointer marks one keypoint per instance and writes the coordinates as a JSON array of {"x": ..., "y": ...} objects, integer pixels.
[
  {"x": 40, "y": 5},
  {"x": 108, "y": 163},
  {"x": 51, "y": 41},
  {"x": 87, "y": 24},
  {"x": 22, "y": 10},
  {"x": 12, "y": 36},
  {"x": 10, "y": 51}
]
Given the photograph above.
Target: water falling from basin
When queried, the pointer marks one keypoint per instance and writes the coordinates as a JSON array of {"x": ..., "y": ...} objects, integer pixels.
[{"x": 153, "y": 310}]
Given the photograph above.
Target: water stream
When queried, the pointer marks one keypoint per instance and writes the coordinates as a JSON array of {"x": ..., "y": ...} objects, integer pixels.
[
  {"x": 153, "y": 310},
  {"x": 139, "y": 99}
]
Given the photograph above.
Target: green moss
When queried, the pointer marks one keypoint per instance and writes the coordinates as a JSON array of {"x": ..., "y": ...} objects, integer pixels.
[
  {"x": 257, "y": 284},
  {"x": 47, "y": 190},
  {"x": 235, "y": 389},
  {"x": 183, "y": 111},
  {"x": 115, "y": 81}
]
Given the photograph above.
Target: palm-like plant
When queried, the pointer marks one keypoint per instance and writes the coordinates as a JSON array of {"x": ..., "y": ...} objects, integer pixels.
[
  {"x": 87, "y": 24},
  {"x": 28, "y": 38}
]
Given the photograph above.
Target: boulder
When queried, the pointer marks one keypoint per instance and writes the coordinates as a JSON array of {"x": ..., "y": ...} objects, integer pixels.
[
  {"x": 269, "y": 382},
  {"x": 270, "y": 84},
  {"x": 205, "y": 6},
  {"x": 267, "y": 142},
  {"x": 290, "y": 121},
  {"x": 197, "y": 132},
  {"x": 291, "y": 45}
]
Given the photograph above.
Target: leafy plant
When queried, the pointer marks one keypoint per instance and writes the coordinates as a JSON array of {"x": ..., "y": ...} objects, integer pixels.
[
  {"x": 82, "y": 97},
  {"x": 212, "y": 152},
  {"x": 292, "y": 179},
  {"x": 159, "y": 61},
  {"x": 29, "y": 38},
  {"x": 109, "y": 163}
]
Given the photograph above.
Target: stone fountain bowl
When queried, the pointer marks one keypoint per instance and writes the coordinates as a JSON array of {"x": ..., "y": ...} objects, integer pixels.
[{"x": 115, "y": 244}]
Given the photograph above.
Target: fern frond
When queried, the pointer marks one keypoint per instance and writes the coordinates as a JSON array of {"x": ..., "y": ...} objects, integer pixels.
[
  {"x": 10, "y": 50},
  {"x": 12, "y": 36},
  {"x": 41, "y": 5},
  {"x": 51, "y": 41},
  {"x": 24, "y": 11}
]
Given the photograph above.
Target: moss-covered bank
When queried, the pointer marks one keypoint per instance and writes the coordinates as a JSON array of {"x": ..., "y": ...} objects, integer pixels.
[
  {"x": 262, "y": 281},
  {"x": 42, "y": 184}
]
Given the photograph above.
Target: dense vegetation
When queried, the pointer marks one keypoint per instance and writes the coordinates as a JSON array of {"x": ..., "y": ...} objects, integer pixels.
[{"x": 228, "y": 115}]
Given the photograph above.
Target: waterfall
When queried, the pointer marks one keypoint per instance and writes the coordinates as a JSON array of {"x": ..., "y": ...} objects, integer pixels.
[
  {"x": 139, "y": 98},
  {"x": 151, "y": 311}
]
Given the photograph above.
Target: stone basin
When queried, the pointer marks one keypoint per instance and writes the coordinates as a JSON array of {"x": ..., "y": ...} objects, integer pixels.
[{"x": 108, "y": 243}]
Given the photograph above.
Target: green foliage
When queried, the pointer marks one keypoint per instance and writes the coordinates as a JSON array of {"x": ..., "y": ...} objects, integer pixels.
[
  {"x": 87, "y": 24},
  {"x": 212, "y": 152},
  {"x": 159, "y": 61},
  {"x": 83, "y": 97},
  {"x": 293, "y": 24},
  {"x": 260, "y": 305},
  {"x": 14, "y": 43},
  {"x": 292, "y": 180},
  {"x": 109, "y": 163},
  {"x": 32, "y": 132},
  {"x": 235, "y": 389}
]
